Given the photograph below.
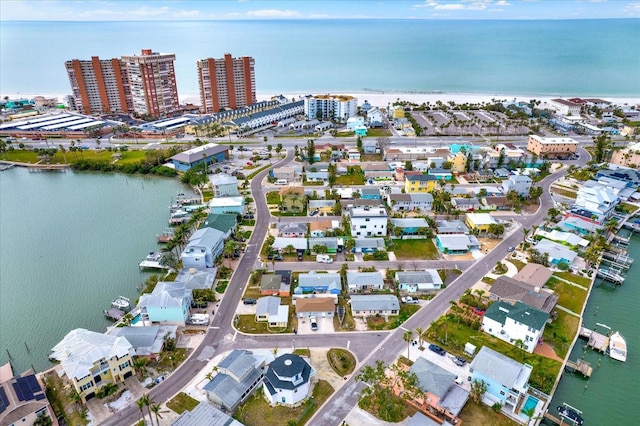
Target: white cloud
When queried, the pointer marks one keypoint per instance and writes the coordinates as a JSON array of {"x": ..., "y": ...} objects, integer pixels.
[
  {"x": 273, "y": 13},
  {"x": 632, "y": 10},
  {"x": 461, "y": 4}
]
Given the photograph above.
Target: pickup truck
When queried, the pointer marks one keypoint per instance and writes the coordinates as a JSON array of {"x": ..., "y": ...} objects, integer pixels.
[{"x": 410, "y": 299}]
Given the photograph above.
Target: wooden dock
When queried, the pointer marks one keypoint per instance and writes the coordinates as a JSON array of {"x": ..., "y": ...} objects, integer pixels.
[
  {"x": 553, "y": 418},
  {"x": 580, "y": 366},
  {"x": 596, "y": 341}
]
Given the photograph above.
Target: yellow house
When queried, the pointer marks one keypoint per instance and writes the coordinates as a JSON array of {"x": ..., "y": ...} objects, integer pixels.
[
  {"x": 91, "y": 360},
  {"x": 420, "y": 183},
  {"x": 458, "y": 162},
  {"x": 479, "y": 222},
  {"x": 398, "y": 112}
]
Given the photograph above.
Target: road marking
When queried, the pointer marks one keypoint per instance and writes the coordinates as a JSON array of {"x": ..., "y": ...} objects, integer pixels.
[
  {"x": 234, "y": 336},
  {"x": 348, "y": 343},
  {"x": 214, "y": 328}
]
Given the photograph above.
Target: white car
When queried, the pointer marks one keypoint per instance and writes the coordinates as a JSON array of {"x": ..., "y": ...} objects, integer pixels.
[{"x": 314, "y": 323}]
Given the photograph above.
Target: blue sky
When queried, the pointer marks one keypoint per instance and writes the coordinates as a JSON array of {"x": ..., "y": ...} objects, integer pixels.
[{"x": 141, "y": 10}]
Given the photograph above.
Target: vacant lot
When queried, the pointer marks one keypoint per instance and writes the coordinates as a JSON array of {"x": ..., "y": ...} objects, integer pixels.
[
  {"x": 570, "y": 296},
  {"x": 414, "y": 249}
]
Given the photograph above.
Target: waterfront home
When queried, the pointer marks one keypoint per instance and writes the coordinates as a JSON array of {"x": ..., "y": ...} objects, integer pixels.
[
  {"x": 518, "y": 324},
  {"x": 319, "y": 283},
  {"x": 630, "y": 177},
  {"x": 451, "y": 227},
  {"x": 204, "y": 246},
  {"x": 415, "y": 227},
  {"x": 292, "y": 230},
  {"x": 364, "y": 281},
  {"x": 288, "y": 380},
  {"x": 207, "y": 413},
  {"x": 227, "y": 205},
  {"x": 168, "y": 303},
  {"x": 420, "y": 183},
  {"x": 519, "y": 183},
  {"x": 22, "y": 398},
  {"x": 440, "y": 396},
  {"x": 557, "y": 253},
  {"x": 579, "y": 225},
  {"x": 368, "y": 222},
  {"x": 565, "y": 237},
  {"x": 507, "y": 380},
  {"x": 238, "y": 375},
  {"x": 224, "y": 185},
  {"x": 534, "y": 274},
  {"x": 456, "y": 243},
  {"x": 320, "y": 307},
  {"x": 480, "y": 222},
  {"x": 274, "y": 285},
  {"x": 510, "y": 290},
  {"x": 596, "y": 204},
  {"x": 466, "y": 204},
  {"x": 225, "y": 223},
  {"x": 330, "y": 243},
  {"x": 368, "y": 245},
  {"x": 410, "y": 202},
  {"x": 147, "y": 340},
  {"x": 209, "y": 153},
  {"x": 364, "y": 305},
  {"x": 90, "y": 360},
  {"x": 197, "y": 279},
  {"x": 269, "y": 309},
  {"x": 418, "y": 281},
  {"x": 282, "y": 243}
]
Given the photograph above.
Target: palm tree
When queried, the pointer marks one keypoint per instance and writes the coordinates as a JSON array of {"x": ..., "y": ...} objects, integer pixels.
[
  {"x": 155, "y": 408},
  {"x": 147, "y": 403},
  {"x": 407, "y": 336},
  {"x": 420, "y": 333},
  {"x": 140, "y": 404},
  {"x": 140, "y": 364}
]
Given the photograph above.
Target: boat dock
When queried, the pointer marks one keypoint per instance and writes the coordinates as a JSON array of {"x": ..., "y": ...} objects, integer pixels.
[
  {"x": 610, "y": 275},
  {"x": 554, "y": 419},
  {"x": 165, "y": 237},
  {"x": 632, "y": 226},
  {"x": 580, "y": 366},
  {"x": 4, "y": 167},
  {"x": 114, "y": 314},
  {"x": 595, "y": 340},
  {"x": 618, "y": 259}
]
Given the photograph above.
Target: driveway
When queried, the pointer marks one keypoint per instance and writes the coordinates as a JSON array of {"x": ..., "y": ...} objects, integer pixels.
[{"x": 325, "y": 325}]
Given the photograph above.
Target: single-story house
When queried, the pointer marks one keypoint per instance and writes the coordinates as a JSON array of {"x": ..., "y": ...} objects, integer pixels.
[
  {"x": 369, "y": 146},
  {"x": 319, "y": 176},
  {"x": 323, "y": 206},
  {"x": 566, "y": 237},
  {"x": 274, "y": 285},
  {"x": 319, "y": 283},
  {"x": 292, "y": 230},
  {"x": 323, "y": 307},
  {"x": 511, "y": 290},
  {"x": 534, "y": 274},
  {"x": 368, "y": 245},
  {"x": 496, "y": 203},
  {"x": 270, "y": 310},
  {"x": 331, "y": 243},
  {"x": 466, "y": 204},
  {"x": 363, "y": 305},
  {"x": 22, "y": 398},
  {"x": 370, "y": 193},
  {"x": 363, "y": 281},
  {"x": 447, "y": 227},
  {"x": 281, "y": 243},
  {"x": 318, "y": 228},
  {"x": 197, "y": 279},
  {"x": 411, "y": 226},
  {"x": 227, "y": 205},
  {"x": 517, "y": 324},
  {"x": 440, "y": 173},
  {"x": 456, "y": 243},
  {"x": 479, "y": 221},
  {"x": 557, "y": 252},
  {"x": 418, "y": 281},
  {"x": 206, "y": 414},
  {"x": 286, "y": 173},
  {"x": 238, "y": 375},
  {"x": 501, "y": 173}
]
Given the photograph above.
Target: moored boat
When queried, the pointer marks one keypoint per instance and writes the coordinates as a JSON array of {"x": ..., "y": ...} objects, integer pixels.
[
  {"x": 122, "y": 303},
  {"x": 618, "y": 347},
  {"x": 152, "y": 261},
  {"x": 570, "y": 414}
]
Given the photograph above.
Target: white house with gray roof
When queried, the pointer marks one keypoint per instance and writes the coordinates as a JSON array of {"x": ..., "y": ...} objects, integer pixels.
[
  {"x": 224, "y": 185},
  {"x": 368, "y": 245},
  {"x": 239, "y": 374},
  {"x": 418, "y": 281},
  {"x": 292, "y": 230},
  {"x": 209, "y": 153},
  {"x": 204, "y": 246},
  {"x": 364, "y": 305},
  {"x": 517, "y": 324},
  {"x": 269, "y": 309},
  {"x": 368, "y": 222},
  {"x": 280, "y": 243},
  {"x": 288, "y": 380},
  {"x": 363, "y": 281}
]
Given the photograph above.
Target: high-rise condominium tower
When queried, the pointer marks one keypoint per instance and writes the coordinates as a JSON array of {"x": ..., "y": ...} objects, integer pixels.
[{"x": 226, "y": 83}]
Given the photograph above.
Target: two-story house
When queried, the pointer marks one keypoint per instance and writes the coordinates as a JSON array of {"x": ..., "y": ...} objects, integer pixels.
[
  {"x": 288, "y": 380},
  {"x": 519, "y": 324},
  {"x": 400, "y": 202},
  {"x": 91, "y": 360},
  {"x": 224, "y": 185},
  {"x": 420, "y": 183},
  {"x": 519, "y": 183},
  {"x": 204, "y": 246},
  {"x": 368, "y": 222},
  {"x": 168, "y": 303}
]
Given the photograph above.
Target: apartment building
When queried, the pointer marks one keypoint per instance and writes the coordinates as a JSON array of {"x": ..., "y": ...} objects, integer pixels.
[
  {"x": 551, "y": 147},
  {"x": 99, "y": 85},
  {"x": 565, "y": 107},
  {"x": 226, "y": 83},
  {"x": 330, "y": 107},
  {"x": 368, "y": 222}
]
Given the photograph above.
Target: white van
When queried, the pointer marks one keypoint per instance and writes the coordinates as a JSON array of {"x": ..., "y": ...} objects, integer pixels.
[
  {"x": 324, "y": 258},
  {"x": 281, "y": 182}
]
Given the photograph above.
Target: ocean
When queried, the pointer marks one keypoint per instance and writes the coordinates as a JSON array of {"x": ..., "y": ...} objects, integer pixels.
[{"x": 558, "y": 58}]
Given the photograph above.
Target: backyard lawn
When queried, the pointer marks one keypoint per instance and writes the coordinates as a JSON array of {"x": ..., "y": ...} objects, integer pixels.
[
  {"x": 414, "y": 249},
  {"x": 481, "y": 414},
  {"x": 182, "y": 402},
  {"x": 582, "y": 281},
  {"x": 353, "y": 179},
  {"x": 273, "y": 197},
  {"x": 564, "y": 192},
  {"x": 561, "y": 331},
  {"x": 570, "y": 296}
]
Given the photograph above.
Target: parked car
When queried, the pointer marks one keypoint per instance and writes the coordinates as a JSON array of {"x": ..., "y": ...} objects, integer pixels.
[
  {"x": 278, "y": 257},
  {"x": 458, "y": 360},
  {"x": 410, "y": 299},
  {"x": 437, "y": 349},
  {"x": 314, "y": 323},
  {"x": 511, "y": 248},
  {"x": 249, "y": 301}
]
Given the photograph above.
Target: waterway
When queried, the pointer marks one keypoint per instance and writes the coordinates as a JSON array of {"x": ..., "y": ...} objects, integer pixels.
[
  {"x": 69, "y": 244},
  {"x": 610, "y": 397}
]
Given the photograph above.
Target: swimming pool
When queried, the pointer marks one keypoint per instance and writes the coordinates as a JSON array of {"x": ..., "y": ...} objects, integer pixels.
[
  {"x": 135, "y": 319},
  {"x": 530, "y": 404}
]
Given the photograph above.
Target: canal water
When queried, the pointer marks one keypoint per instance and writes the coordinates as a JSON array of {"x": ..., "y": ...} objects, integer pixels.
[
  {"x": 69, "y": 244},
  {"x": 611, "y": 395}
]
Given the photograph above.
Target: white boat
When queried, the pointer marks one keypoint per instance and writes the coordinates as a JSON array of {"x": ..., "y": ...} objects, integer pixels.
[
  {"x": 617, "y": 347},
  {"x": 152, "y": 261},
  {"x": 122, "y": 303}
]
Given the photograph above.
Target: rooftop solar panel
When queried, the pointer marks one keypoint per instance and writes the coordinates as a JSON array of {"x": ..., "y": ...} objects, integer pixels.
[
  {"x": 40, "y": 396},
  {"x": 19, "y": 391},
  {"x": 4, "y": 401}
]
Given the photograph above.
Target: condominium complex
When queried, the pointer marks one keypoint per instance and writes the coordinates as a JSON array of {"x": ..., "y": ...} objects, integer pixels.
[
  {"x": 152, "y": 79},
  {"x": 330, "y": 107},
  {"x": 226, "y": 83},
  {"x": 145, "y": 84},
  {"x": 99, "y": 85},
  {"x": 551, "y": 147}
]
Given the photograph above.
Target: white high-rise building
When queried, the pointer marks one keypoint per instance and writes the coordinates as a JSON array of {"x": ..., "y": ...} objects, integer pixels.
[{"x": 330, "y": 107}]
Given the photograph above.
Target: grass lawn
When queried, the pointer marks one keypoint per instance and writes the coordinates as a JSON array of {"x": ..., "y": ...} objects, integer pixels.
[
  {"x": 342, "y": 361},
  {"x": 354, "y": 179},
  {"x": 582, "y": 281},
  {"x": 517, "y": 263},
  {"x": 371, "y": 157},
  {"x": 415, "y": 249},
  {"x": 488, "y": 280},
  {"x": 569, "y": 296},
  {"x": 564, "y": 192},
  {"x": 273, "y": 197},
  {"x": 379, "y": 323},
  {"x": 348, "y": 323},
  {"x": 248, "y": 323},
  {"x": 60, "y": 401},
  {"x": 561, "y": 331},
  {"x": 378, "y": 132},
  {"x": 627, "y": 208},
  {"x": 452, "y": 333},
  {"x": 481, "y": 414},
  {"x": 182, "y": 402},
  {"x": 257, "y": 412}
]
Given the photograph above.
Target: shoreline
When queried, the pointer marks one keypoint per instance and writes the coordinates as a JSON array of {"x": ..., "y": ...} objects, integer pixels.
[{"x": 382, "y": 98}]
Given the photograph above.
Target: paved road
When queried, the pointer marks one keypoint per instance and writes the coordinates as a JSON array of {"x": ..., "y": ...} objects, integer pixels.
[{"x": 367, "y": 347}]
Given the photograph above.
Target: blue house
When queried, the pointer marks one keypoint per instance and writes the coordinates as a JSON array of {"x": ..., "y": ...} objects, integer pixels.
[
  {"x": 210, "y": 153},
  {"x": 204, "y": 246},
  {"x": 507, "y": 380},
  {"x": 440, "y": 173},
  {"x": 319, "y": 283},
  {"x": 168, "y": 303},
  {"x": 370, "y": 193},
  {"x": 410, "y": 226}
]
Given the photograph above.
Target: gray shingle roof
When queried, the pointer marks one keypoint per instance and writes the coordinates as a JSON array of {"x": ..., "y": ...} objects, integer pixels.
[
  {"x": 527, "y": 315},
  {"x": 431, "y": 377},
  {"x": 374, "y": 302},
  {"x": 496, "y": 366}
]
